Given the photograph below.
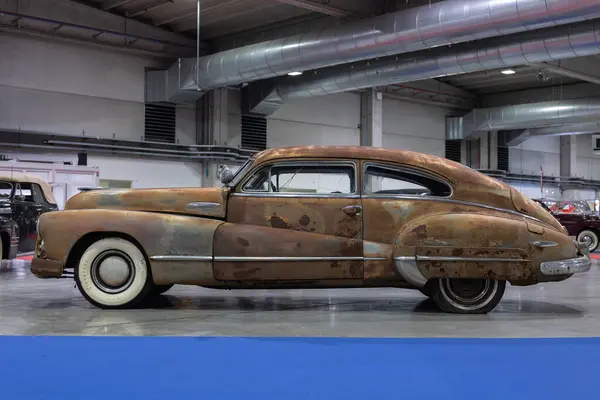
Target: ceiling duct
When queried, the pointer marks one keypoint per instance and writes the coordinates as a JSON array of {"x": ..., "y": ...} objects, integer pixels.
[
  {"x": 557, "y": 43},
  {"x": 173, "y": 85},
  {"x": 524, "y": 116},
  {"x": 439, "y": 24}
]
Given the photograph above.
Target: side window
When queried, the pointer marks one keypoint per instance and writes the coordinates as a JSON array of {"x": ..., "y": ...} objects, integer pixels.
[
  {"x": 24, "y": 191},
  {"x": 390, "y": 181},
  {"x": 311, "y": 179},
  {"x": 38, "y": 194}
]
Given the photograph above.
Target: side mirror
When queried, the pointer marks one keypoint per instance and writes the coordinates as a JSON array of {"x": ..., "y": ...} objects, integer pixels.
[{"x": 226, "y": 176}]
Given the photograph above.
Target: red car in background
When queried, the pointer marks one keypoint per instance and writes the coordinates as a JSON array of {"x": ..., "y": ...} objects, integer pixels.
[{"x": 578, "y": 218}]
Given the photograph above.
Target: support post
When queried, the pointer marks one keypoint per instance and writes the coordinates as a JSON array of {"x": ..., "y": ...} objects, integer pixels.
[{"x": 371, "y": 118}]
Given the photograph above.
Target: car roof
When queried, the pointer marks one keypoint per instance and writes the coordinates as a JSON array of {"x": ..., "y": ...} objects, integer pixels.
[{"x": 14, "y": 177}]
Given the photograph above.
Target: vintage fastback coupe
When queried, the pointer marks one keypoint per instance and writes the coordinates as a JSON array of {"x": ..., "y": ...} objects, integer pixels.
[{"x": 313, "y": 217}]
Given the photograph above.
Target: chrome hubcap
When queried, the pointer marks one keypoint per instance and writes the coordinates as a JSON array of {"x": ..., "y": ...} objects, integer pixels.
[
  {"x": 112, "y": 271},
  {"x": 587, "y": 240},
  {"x": 467, "y": 291}
]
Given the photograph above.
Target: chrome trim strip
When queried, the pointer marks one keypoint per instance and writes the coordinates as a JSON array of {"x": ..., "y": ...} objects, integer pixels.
[
  {"x": 566, "y": 267},
  {"x": 201, "y": 205},
  {"x": 545, "y": 243},
  {"x": 459, "y": 259},
  {"x": 298, "y": 195},
  {"x": 181, "y": 258},
  {"x": 294, "y": 259},
  {"x": 469, "y": 259},
  {"x": 242, "y": 259}
]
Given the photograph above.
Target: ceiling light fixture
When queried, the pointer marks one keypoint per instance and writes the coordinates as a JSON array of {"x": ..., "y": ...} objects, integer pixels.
[
  {"x": 294, "y": 73},
  {"x": 508, "y": 71}
]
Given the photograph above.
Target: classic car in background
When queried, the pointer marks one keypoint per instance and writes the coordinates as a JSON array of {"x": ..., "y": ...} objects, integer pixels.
[
  {"x": 9, "y": 233},
  {"x": 580, "y": 221},
  {"x": 27, "y": 197},
  {"x": 313, "y": 217}
]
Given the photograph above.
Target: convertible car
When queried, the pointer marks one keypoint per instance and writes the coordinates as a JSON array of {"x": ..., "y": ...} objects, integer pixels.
[{"x": 312, "y": 217}]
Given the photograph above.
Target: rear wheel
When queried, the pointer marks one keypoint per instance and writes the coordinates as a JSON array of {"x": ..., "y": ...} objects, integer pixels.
[
  {"x": 113, "y": 273},
  {"x": 589, "y": 238},
  {"x": 466, "y": 296}
]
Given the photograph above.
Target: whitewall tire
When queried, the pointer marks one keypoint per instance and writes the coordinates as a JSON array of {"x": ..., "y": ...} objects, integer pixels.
[
  {"x": 466, "y": 296},
  {"x": 113, "y": 273},
  {"x": 589, "y": 238}
]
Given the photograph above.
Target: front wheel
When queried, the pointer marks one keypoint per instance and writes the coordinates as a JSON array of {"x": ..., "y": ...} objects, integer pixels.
[
  {"x": 113, "y": 273},
  {"x": 466, "y": 296},
  {"x": 589, "y": 238}
]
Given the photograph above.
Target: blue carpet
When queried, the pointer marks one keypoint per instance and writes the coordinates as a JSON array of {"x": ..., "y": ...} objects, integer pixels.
[{"x": 297, "y": 368}]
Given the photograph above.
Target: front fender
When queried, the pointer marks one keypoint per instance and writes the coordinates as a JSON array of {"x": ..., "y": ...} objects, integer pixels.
[{"x": 158, "y": 234}]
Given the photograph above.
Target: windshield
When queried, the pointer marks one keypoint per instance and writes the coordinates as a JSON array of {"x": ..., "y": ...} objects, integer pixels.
[{"x": 6, "y": 189}]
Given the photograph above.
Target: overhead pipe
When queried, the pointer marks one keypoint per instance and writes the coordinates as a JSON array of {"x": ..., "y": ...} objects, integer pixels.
[
  {"x": 544, "y": 45},
  {"x": 444, "y": 23}
]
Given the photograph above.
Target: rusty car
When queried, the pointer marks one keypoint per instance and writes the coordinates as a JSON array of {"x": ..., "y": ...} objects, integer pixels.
[{"x": 312, "y": 217}]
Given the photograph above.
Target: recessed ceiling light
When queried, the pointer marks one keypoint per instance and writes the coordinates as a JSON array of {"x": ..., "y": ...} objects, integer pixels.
[
  {"x": 508, "y": 71},
  {"x": 294, "y": 73}
]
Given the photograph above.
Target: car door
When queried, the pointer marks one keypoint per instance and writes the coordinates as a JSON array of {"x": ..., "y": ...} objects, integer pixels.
[
  {"x": 293, "y": 220},
  {"x": 393, "y": 197}
]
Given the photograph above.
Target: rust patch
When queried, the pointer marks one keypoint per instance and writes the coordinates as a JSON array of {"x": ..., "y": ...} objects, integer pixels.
[
  {"x": 420, "y": 231},
  {"x": 304, "y": 220},
  {"x": 243, "y": 242},
  {"x": 277, "y": 222}
]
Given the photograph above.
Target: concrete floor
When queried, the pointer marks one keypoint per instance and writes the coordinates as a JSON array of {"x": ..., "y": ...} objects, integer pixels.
[{"x": 30, "y": 306}]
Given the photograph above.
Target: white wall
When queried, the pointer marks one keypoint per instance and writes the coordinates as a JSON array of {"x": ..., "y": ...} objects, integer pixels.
[
  {"x": 533, "y": 153},
  {"x": 323, "y": 120},
  {"x": 335, "y": 119},
  {"x": 412, "y": 126},
  {"x": 52, "y": 86},
  {"x": 142, "y": 172},
  {"x": 588, "y": 164}
]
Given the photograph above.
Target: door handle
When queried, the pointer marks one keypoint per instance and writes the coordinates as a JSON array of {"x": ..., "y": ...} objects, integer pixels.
[{"x": 352, "y": 210}]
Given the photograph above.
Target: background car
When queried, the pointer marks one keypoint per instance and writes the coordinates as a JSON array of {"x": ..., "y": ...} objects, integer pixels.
[
  {"x": 579, "y": 220},
  {"x": 27, "y": 197}
]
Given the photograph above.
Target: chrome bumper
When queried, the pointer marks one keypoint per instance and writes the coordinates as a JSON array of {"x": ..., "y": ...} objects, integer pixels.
[{"x": 566, "y": 267}]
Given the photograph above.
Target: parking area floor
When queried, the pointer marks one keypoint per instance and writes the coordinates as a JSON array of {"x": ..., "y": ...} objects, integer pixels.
[{"x": 30, "y": 306}]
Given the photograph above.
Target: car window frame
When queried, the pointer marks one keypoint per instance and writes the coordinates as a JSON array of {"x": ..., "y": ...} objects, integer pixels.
[
  {"x": 19, "y": 188},
  {"x": 401, "y": 169},
  {"x": 36, "y": 187},
  {"x": 239, "y": 189}
]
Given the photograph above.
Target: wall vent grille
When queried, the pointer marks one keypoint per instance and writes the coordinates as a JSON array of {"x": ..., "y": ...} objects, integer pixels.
[
  {"x": 160, "y": 122},
  {"x": 254, "y": 132},
  {"x": 503, "y": 161},
  {"x": 453, "y": 151}
]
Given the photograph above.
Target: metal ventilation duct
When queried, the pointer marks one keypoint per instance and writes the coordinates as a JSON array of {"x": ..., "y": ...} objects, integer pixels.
[
  {"x": 544, "y": 45},
  {"x": 173, "y": 85},
  {"x": 419, "y": 28},
  {"x": 525, "y": 116}
]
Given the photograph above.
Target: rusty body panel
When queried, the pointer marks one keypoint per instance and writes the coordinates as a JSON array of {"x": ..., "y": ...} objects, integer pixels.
[
  {"x": 208, "y": 202},
  {"x": 313, "y": 215},
  {"x": 158, "y": 235},
  {"x": 224, "y": 238},
  {"x": 277, "y": 248}
]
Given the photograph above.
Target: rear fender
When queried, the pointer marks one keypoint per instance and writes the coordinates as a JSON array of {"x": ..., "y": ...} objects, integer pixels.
[
  {"x": 450, "y": 245},
  {"x": 158, "y": 234}
]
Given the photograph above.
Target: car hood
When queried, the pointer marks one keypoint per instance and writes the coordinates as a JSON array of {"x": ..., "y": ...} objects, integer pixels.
[{"x": 208, "y": 202}]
